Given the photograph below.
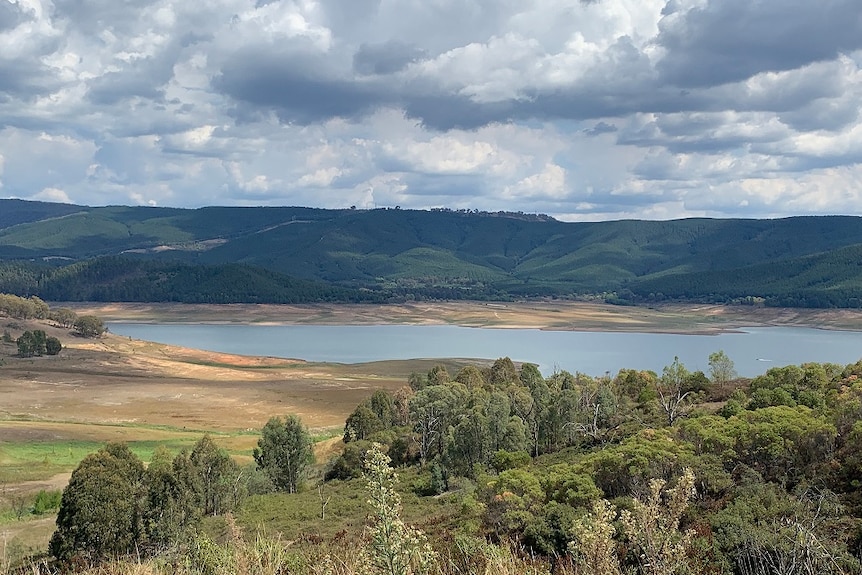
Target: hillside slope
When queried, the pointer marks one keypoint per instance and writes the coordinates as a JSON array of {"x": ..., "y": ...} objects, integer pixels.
[{"x": 443, "y": 253}]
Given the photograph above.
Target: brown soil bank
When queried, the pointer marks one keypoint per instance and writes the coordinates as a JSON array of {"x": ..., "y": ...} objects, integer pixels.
[
  {"x": 117, "y": 380},
  {"x": 122, "y": 381},
  {"x": 553, "y": 315}
]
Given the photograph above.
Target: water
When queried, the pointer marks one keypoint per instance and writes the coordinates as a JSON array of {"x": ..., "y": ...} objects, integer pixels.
[{"x": 753, "y": 351}]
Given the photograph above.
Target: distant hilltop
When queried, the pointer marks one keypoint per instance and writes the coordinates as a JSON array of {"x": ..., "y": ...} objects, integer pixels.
[{"x": 298, "y": 254}]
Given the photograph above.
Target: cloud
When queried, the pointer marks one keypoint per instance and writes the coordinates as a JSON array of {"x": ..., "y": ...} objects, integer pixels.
[
  {"x": 53, "y": 195},
  {"x": 712, "y": 43},
  {"x": 584, "y": 110},
  {"x": 385, "y": 58},
  {"x": 600, "y": 128}
]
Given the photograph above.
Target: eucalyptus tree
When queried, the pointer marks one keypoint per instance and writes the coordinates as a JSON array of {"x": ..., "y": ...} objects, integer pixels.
[{"x": 284, "y": 451}]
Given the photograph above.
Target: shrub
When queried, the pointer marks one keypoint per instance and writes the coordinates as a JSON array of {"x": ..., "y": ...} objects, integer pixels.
[
  {"x": 53, "y": 346},
  {"x": 47, "y": 501}
]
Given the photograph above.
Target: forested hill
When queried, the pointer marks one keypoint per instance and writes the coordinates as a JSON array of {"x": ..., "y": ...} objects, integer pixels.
[{"x": 390, "y": 253}]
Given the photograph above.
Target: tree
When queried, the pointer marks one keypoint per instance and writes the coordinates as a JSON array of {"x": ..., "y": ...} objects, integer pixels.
[
  {"x": 89, "y": 326},
  {"x": 472, "y": 377},
  {"x": 674, "y": 397},
  {"x": 217, "y": 477},
  {"x": 361, "y": 424},
  {"x": 438, "y": 375},
  {"x": 32, "y": 343},
  {"x": 52, "y": 345},
  {"x": 503, "y": 372},
  {"x": 433, "y": 410},
  {"x": 284, "y": 451},
  {"x": 721, "y": 368},
  {"x": 383, "y": 406},
  {"x": 101, "y": 508},
  {"x": 63, "y": 316},
  {"x": 172, "y": 499}
]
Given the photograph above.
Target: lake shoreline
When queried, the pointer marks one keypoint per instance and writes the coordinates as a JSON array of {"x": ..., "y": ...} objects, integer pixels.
[{"x": 684, "y": 319}]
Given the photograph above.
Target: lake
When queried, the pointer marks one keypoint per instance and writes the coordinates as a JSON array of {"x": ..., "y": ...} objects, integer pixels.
[{"x": 753, "y": 350}]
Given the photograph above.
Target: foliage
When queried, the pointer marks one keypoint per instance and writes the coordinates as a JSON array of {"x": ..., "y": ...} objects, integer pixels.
[
  {"x": 213, "y": 475},
  {"x": 89, "y": 326},
  {"x": 382, "y": 255},
  {"x": 36, "y": 343},
  {"x": 284, "y": 451},
  {"x": 47, "y": 501},
  {"x": 396, "y": 549},
  {"x": 261, "y": 556},
  {"x": 101, "y": 508},
  {"x": 653, "y": 527},
  {"x": 594, "y": 547},
  {"x": 362, "y": 423},
  {"x": 33, "y": 343},
  {"x": 63, "y": 316},
  {"x": 22, "y": 307},
  {"x": 113, "y": 505},
  {"x": 675, "y": 390},
  {"x": 539, "y": 462},
  {"x": 53, "y": 345},
  {"x": 721, "y": 368}
]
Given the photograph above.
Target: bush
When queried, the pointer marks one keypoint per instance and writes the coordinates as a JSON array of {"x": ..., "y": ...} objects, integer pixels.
[
  {"x": 503, "y": 460},
  {"x": 53, "y": 346},
  {"x": 32, "y": 343},
  {"x": 47, "y": 501}
]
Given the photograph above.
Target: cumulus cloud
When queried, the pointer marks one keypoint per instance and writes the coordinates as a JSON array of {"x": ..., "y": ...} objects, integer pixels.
[{"x": 584, "y": 110}]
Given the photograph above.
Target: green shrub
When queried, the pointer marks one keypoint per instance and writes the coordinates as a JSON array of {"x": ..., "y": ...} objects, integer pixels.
[{"x": 47, "y": 501}]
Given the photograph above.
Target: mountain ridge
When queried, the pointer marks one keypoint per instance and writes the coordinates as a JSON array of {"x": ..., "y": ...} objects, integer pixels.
[{"x": 463, "y": 253}]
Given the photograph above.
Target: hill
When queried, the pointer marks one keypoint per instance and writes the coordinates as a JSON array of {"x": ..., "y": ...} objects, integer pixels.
[{"x": 403, "y": 254}]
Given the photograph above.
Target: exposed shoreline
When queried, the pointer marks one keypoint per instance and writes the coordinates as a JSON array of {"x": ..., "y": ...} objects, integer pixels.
[{"x": 546, "y": 315}]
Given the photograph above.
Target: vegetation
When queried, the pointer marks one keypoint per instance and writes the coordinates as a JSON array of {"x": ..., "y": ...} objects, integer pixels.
[
  {"x": 114, "y": 505},
  {"x": 89, "y": 326},
  {"x": 33, "y": 343},
  {"x": 284, "y": 451},
  {"x": 502, "y": 469},
  {"x": 292, "y": 255},
  {"x": 136, "y": 280}
]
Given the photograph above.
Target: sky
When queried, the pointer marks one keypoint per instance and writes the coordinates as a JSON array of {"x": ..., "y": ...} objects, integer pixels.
[{"x": 585, "y": 110}]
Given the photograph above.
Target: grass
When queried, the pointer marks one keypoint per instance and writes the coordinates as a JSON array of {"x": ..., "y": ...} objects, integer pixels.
[
  {"x": 59, "y": 447},
  {"x": 297, "y": 515}
]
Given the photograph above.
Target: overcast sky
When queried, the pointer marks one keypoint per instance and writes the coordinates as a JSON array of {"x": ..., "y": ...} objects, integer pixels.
[{"x": 581, "y": 109}]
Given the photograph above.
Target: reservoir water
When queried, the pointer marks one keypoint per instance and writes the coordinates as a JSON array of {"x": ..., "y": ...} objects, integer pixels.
[{"x": 753, "y": 350}]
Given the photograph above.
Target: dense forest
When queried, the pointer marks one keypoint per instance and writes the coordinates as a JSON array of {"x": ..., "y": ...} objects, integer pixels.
[
  {"x": 504, "y": 470},
  {"x": 292, "y": 254},
  {"x": 111, "y": 278}
]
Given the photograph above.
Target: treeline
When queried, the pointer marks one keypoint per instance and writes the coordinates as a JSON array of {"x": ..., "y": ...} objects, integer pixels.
[
  {"x": 129, "y": 279},
  {"x": 390, "y": 254},
  {"x": 830, "y": 280},
  {"x": 140, "y": 280},
  {"x": 34, "y": 307}
]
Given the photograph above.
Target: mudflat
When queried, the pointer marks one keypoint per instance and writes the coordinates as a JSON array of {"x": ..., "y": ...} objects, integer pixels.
[
  {"x": 119, "y": 381},
  {"x": 551, "y": 315},
  {"x": 115, "y": 380}
]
